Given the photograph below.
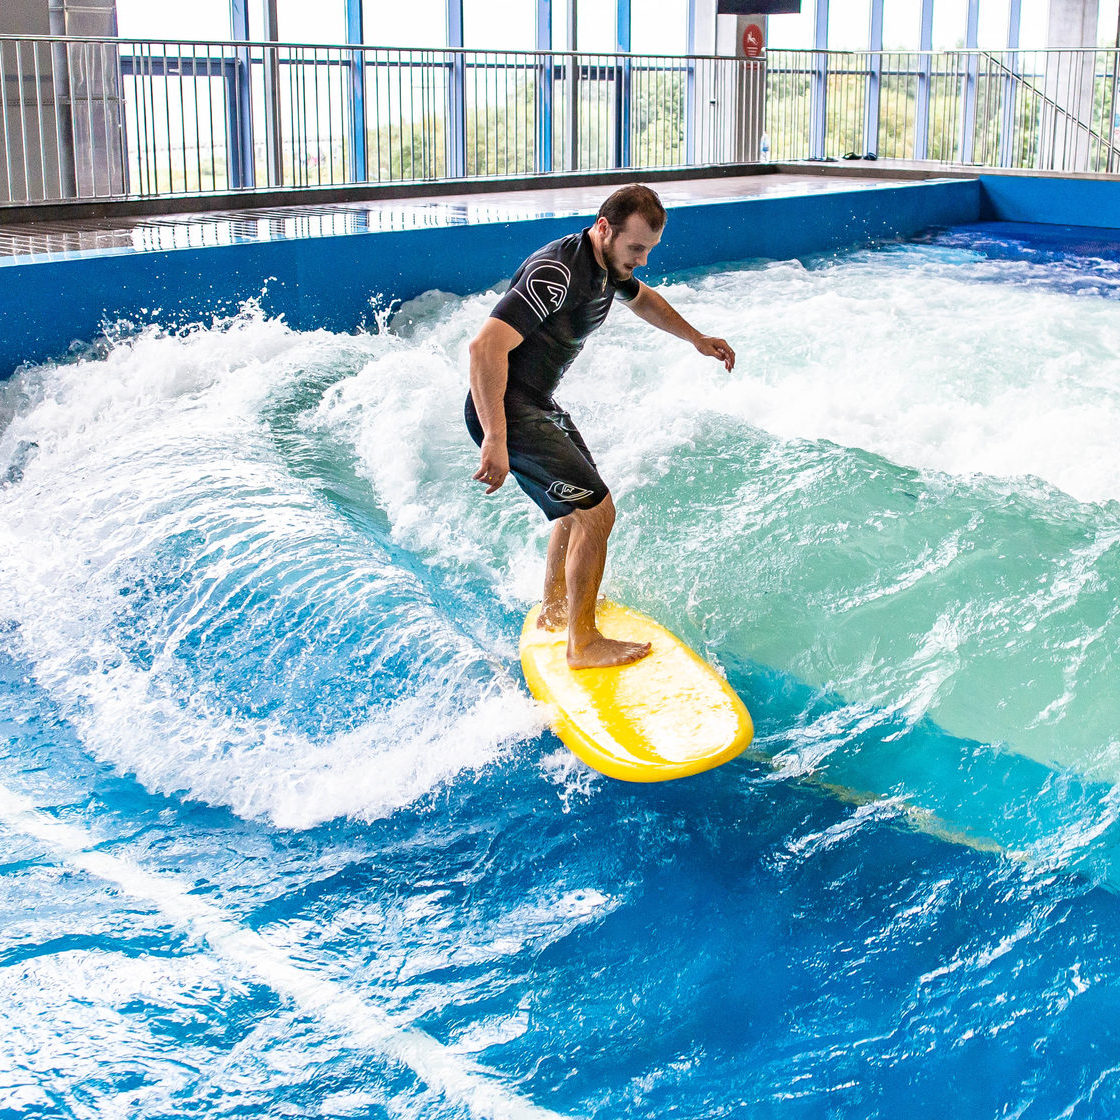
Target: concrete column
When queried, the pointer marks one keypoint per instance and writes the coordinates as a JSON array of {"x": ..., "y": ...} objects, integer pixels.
[
  {"x": 1068, "y": 114},
  {"x": 96, "y": 98},
  {"x": 63, "y": 111},
  {"x": 29, "y": 143}
]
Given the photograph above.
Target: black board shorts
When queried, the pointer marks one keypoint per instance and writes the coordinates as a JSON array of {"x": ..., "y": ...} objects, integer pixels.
[{"x": 547, "y": 455}]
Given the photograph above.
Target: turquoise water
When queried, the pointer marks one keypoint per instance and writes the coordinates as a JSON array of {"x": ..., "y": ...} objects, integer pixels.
[{"x": 284, "y": 835}]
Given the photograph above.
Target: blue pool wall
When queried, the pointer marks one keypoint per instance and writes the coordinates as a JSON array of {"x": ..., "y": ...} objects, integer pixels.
[
  {"x": 47, "y": 305},
  {"x": 328, "y": 282}
]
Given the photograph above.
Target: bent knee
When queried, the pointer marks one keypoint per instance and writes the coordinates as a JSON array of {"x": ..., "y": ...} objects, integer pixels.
[{"x": 600, "y": 517}]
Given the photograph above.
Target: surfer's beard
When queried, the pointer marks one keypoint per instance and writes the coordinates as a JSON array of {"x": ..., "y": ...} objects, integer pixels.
[{"x": 615, "y": 274}]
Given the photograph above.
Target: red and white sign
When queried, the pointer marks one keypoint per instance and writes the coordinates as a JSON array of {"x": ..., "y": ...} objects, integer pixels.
[{"x": 753, "y": 41}]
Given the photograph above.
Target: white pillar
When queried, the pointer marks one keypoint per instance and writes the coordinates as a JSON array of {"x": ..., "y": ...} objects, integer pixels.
[{"x": 739, "y": 90}]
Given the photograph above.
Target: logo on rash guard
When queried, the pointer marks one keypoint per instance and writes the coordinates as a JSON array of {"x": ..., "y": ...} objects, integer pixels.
[
  {"x": 566, "y": 492},
  {"x": 546, "y": 285}
]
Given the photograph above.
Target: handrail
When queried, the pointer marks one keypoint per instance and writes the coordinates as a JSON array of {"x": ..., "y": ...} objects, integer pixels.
[
  {"x": 1008, "y": 72},
  {"x": 91, "y": 117}
]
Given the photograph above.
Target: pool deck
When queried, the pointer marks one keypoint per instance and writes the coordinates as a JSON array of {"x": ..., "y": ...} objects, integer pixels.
[{"x": 57, "y": 239}]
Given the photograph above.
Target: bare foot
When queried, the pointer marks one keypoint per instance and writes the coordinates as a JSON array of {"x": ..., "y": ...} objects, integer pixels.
[
  {"x": 553, "y": 618},
  {"x": 602, "y": 653}
]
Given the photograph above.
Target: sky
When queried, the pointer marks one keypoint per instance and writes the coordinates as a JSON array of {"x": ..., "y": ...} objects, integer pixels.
[{"x": 658, "y": 25}]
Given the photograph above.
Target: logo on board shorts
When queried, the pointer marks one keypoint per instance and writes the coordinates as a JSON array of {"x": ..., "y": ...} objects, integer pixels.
[{"x": 566, "y": 492}]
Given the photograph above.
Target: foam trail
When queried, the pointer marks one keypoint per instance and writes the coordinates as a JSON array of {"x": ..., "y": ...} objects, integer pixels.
[
  {"x": 459, "y": 1080},
  {"x": 211, "y": 620}
]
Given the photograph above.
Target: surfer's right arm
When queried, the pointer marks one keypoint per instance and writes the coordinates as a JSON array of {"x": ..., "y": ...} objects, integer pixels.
[{"x": 489, "y": 372}]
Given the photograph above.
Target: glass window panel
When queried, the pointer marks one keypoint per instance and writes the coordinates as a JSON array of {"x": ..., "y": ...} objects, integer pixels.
[
  {"x": 324, "y": 21},
  {"x": 499, "y": 25},
  {"x": 201, "y": 19},
  {"x": 902, "y": 25},
  {"x": 991, "y": 34},
  {"x": 950, "y": 19},
  {"x": 659, "y": 26},
  {"x": 419, "y": 23},
  {"x": 1032, "y": 25},
  {"x": 792, "y": 32},
  {"x": 596, "y": 26},
  {"x": 849, "y": 25}
]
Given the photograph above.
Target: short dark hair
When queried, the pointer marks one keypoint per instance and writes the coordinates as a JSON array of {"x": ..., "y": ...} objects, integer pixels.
[{"x": 634, "y": 199}]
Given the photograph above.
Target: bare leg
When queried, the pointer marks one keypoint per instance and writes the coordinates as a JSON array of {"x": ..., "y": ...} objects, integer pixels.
[
  {"x": 587, "y": 557},
  {"x": 554, "y": 604}
]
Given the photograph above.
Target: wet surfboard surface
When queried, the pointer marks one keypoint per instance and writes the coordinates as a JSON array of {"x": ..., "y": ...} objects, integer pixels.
[{"x": 667, "y": 716}]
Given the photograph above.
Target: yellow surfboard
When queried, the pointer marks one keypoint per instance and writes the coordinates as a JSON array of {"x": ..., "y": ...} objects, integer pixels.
[{"x": 666, "y": 716}]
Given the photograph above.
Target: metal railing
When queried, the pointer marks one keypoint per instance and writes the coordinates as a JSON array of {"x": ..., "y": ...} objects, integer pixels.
[
  {"x": 1048, "y": 110},
  {"x": 102, "y": 118},
  {"x": 107, "y": 118}
]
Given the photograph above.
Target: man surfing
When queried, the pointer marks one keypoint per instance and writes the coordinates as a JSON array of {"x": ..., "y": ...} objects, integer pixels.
[{"x": 555, "y": 300}]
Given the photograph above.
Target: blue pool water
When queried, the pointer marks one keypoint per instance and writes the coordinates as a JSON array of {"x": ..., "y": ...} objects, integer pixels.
[{"x": 283, "y": 834}]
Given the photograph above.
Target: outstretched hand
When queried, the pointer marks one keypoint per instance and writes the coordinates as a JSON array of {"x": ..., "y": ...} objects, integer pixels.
[{"x": 712, "y": 347}]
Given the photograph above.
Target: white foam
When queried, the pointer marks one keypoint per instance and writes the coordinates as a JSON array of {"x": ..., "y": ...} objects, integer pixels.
[
  {"x": 929, "y": 365},
  {"x": 919, "y": 363},
  {"x": 929, "y": 362},
  {"x": 161, "y": 443}
]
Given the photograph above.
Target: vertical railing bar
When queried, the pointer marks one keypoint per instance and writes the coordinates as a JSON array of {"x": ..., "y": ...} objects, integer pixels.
[
  {"x": 107, "y": 120},
  {"x": 377, "y": 96},
  {"x": 143, "y": 171},
  {"x": 292, "y": 125},
  {"x": 304, "y": 115},
  {"x": 22, "y": 119},
  {"x": 412, "y": 81},
  {"x": 4, "y": 109},
  {"x": 328, "y": 68},
  {"x": 183, "y": 115},
  {"x": 400, "y": 116},
  {"x": 299, "y": 118},
  {"x": 198, "y": 102},
  {"x": 39, "y": 120},
  {"x": 133, "y": 180},
  {"x": 309, "y": 129},
  {"x": 412, "y": 113},
  {"x": 167, "y": 117},
  {"x": 426, "y": 95},
  {"x": 295, "y": 95},
  {"x": 318, "y": 118},
  {"x": 89, "y": 116},
  {"x": 60, "y": 144},
  {"x": 228, "y": 140},
  {"x": 210, "y": 109}
]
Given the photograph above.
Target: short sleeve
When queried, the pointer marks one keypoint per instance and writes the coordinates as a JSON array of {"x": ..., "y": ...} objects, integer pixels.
[
  {"x": 536, "y": 292},
  {"x": 628, "y": 289}
]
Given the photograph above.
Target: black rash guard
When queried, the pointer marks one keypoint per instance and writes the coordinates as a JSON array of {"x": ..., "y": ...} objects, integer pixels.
[{"x": 555, "y": 300}]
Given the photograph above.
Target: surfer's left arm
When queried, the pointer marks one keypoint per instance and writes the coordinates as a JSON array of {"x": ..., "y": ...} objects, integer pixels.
[{"x": 656, "y": 310}]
